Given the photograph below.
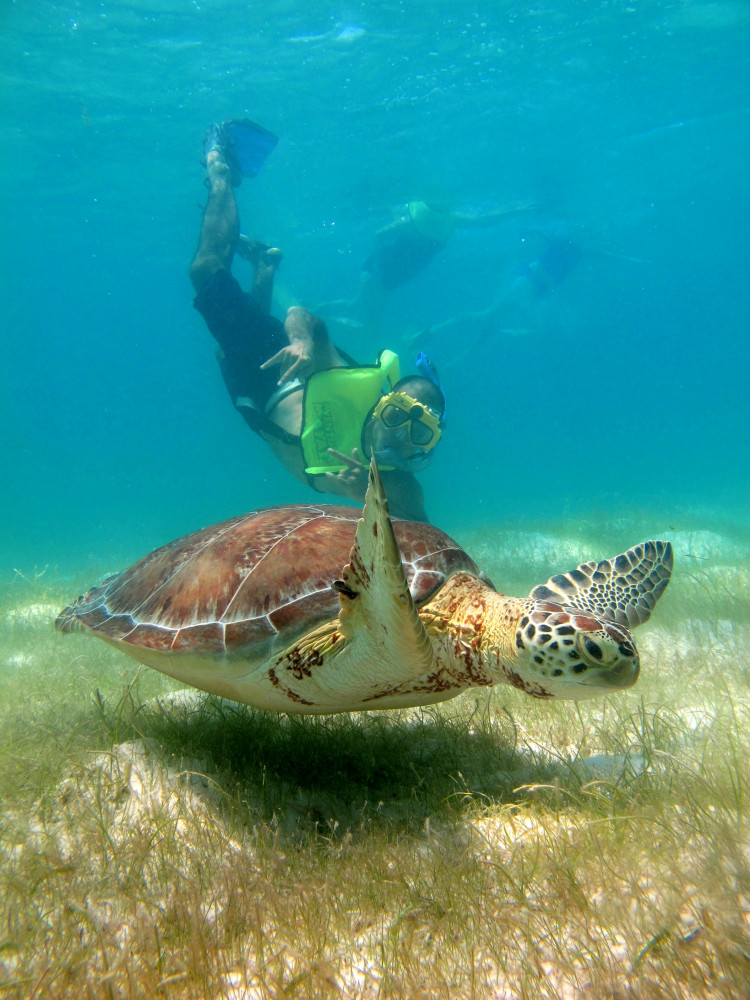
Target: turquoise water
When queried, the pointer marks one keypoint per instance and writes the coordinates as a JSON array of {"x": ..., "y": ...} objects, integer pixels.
[{"x": 625, "y": 124}]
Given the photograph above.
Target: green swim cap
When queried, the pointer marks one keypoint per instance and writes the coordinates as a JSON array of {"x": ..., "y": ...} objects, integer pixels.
[{"x": 434, "y": 223}]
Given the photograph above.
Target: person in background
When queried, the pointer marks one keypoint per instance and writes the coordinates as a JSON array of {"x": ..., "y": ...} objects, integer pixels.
[
  {"x": 400, "y": 251},
  {"x": 321, "y": 413},
  {"x": 510, "y": 312}
]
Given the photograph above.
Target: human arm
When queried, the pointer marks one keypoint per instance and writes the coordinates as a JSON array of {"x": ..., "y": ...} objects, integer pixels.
[
  {"x": 351, "y": 481},
  {"x": 466, "y": 220},
  {"x": 405, "y": 495}
]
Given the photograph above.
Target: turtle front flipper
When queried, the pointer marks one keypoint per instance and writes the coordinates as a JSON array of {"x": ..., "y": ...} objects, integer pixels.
[
  {"x": 378, "y": 616},
  {"x": 378, "y": 647},
  {"x": 623, "y": 589}
]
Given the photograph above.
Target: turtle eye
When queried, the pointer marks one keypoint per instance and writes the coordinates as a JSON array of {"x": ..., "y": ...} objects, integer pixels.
[
  {"x": 592, "y": 648},
  {"x": 596, "y": 652}
]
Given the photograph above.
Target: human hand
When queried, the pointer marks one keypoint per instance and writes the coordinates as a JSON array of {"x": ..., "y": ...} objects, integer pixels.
[
  {"x": 293, "y": 360},
  {"x": 350, "y": 482}
]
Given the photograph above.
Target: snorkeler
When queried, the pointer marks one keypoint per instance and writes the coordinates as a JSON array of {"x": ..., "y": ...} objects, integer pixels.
[
  {"x": 321, "y": 414},
  {"x": 532, "y": 282},
  {"x": 401, "y": 250}
]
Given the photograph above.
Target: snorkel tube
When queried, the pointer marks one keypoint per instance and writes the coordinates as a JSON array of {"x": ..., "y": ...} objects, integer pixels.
[{"x": 428, "y": 370}]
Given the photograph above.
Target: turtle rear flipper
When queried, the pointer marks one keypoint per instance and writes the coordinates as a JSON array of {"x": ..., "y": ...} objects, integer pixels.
[{"x": 623, "y": 589}]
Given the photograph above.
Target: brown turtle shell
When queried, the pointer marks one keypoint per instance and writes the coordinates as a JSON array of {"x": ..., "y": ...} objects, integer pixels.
[{"x": 260, "y": 579}]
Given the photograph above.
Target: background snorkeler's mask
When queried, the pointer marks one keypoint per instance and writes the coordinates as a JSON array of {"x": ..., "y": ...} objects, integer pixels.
[{"x": 399, "y": 410}]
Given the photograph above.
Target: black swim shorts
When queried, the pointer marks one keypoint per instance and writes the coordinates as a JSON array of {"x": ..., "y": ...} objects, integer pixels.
[
  {"x": 401, "y": 258},
  {"x": 247, "y": 337}
]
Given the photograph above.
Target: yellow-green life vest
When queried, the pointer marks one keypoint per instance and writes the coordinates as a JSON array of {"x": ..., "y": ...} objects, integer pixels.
[
  {"x": 433, "y": 223},
  {"x": 335, "y": 407}
]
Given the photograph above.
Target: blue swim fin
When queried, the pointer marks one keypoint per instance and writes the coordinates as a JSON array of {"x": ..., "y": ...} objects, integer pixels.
[{"x": 250, "y": 143}]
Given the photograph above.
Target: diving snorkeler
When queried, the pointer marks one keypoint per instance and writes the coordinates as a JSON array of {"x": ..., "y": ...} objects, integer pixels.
[
  {"x": 401, "y": 250},
  {"x": 321, "y": 414},
  {"x": 532, "y": 282}
]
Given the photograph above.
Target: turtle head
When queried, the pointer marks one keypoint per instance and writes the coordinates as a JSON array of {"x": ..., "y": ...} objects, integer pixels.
[{"x": 566, "y": 653}]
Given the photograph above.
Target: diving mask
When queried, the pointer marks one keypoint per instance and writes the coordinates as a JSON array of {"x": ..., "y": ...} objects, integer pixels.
[{"x": 397, "y": 409}]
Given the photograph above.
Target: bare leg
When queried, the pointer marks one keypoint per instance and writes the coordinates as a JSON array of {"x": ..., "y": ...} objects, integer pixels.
[
  {"x": 220, "y": 228},
  {"x": 364, "y": 310},
  {"x": 265, "y": 261}
]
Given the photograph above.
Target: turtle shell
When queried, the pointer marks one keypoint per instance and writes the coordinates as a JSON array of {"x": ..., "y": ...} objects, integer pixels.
[{"x": 250, "y": 583}]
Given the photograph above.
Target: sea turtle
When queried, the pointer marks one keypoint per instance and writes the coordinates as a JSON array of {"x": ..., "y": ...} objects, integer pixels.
[{"x": 316, "y": 609}]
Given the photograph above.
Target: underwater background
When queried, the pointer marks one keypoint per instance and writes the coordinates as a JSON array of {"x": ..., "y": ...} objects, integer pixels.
[
  {"x": 154, "y": 842},
  {"x": 621, "y": 396}
]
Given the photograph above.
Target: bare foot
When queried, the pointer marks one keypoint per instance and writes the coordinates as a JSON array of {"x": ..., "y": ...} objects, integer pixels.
[{"x": 259, "y": 253}]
